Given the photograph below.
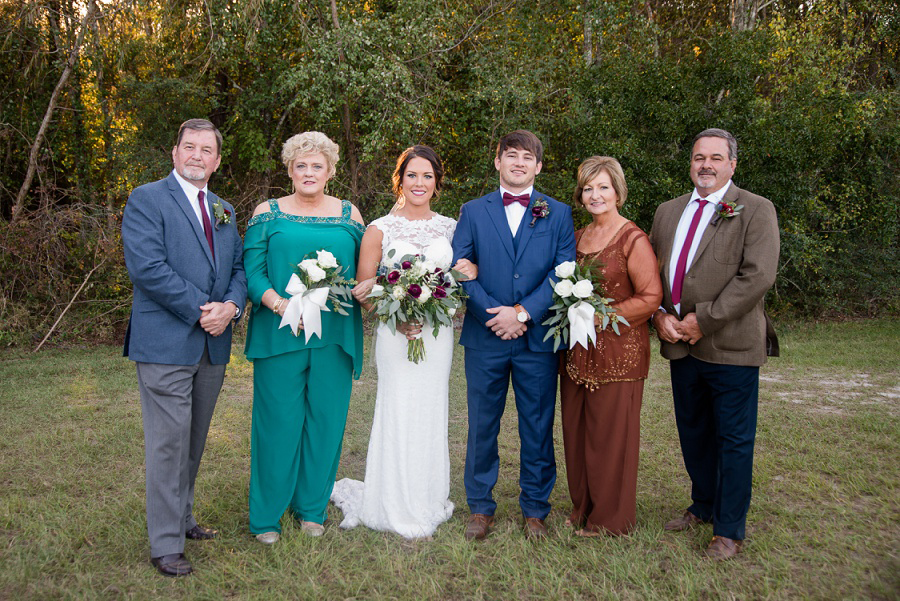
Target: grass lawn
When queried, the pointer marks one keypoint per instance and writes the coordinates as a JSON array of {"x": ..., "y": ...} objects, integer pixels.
[{"x": 824, "y": 522}]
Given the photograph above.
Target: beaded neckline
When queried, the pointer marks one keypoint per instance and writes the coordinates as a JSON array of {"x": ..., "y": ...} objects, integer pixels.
[{"x": 276, "y": 213}]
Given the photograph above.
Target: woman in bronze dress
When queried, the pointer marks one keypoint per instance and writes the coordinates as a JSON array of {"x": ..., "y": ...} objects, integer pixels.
[{"x": 602, "y": 386}]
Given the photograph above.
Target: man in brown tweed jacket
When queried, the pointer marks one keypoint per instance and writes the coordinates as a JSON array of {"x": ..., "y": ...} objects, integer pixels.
[{"x": 718, "y": 255}]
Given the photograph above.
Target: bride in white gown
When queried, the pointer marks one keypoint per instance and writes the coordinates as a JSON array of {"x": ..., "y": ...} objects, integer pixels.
[{"x": 407, "y": 482}]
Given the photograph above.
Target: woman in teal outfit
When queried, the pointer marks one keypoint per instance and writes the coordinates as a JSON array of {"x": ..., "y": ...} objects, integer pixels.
[{"x": 301, "y": 390}]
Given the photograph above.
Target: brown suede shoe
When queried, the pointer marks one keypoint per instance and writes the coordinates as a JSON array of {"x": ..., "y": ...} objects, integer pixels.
[
  {"x": 478, "y": 526},
  {"x": 535, "y": 528},
  {"x": 685, "y": 522},
  {"x": 721, "y": 548}
]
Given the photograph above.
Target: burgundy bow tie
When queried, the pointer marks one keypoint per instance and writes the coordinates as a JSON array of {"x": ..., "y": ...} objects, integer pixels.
[{"x": 522, "y": 199}]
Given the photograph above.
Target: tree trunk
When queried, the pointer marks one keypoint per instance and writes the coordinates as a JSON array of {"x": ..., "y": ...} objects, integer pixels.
[
  {"x": 588, "y": 39},
  {"x": 744, "y": 13},
  {"x": 351, "y": 153},
  {"x": 90, "y": 14}
]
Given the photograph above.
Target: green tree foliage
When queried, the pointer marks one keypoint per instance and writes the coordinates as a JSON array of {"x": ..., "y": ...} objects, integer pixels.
[{"x": 809, "y": 89}]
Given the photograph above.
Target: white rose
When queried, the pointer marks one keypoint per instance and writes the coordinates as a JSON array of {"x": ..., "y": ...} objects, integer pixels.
[
  {"x": 418, "y": 269},
  {"x": 312, "y": 269},
  {"x": 377, "y": 290},
  {"x": 398, "y": 293},
  {"x": 583, "y": 289},
  {"x": 426, "y": 294},
  {"x": 565, "y": 270},
  {"x": 564, "y": 288},
  {"x": 451, "y": 311},
  {"x": 326, "y": 259}
]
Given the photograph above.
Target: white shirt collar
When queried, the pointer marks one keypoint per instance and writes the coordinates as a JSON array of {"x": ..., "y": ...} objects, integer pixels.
[
  {"x": 190, "y": 190},
  {"x": 714, "y": 198}
]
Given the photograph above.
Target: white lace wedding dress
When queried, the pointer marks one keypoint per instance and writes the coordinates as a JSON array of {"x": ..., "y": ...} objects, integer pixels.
[{"x": 407, "y": 483}]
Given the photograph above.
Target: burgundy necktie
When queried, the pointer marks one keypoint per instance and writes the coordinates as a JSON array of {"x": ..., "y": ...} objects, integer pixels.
[
  {"x": 522, "y": 199},
  {"x": 207, "y": 227},
  {"x": 681, "y": 266}
]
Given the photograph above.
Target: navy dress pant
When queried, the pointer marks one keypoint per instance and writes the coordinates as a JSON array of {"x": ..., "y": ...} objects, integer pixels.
[
  {"x": 534, "y": 379},
  {"x": 715, "y": 410}
]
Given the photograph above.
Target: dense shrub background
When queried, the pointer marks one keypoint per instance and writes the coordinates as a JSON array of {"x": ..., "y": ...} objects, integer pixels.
[{"x": 810, "y": 92}]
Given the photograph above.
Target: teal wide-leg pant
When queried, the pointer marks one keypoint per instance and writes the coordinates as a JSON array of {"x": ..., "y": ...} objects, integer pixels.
[{"x": 300, "y": 403}]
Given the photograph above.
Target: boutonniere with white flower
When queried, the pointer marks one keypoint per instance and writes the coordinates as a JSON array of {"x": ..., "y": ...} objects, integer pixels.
[
  {"x": 539, "y": 210},
  {"x": 726, "y": 210},
  {"x": 223, "y": 215}
]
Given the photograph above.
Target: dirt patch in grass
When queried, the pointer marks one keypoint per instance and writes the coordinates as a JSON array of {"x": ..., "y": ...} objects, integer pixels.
[{"x": 825, "y": 394}]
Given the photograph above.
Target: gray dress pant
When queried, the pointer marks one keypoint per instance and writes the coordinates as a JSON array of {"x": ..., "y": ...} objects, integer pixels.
[{"x": 177, "y": 403}]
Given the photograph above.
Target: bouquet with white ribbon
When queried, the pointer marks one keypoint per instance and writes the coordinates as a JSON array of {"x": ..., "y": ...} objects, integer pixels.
[
  {"x": 318, "y": 283},
  {"x": 578, "y": 296},
  {"x": 417, "y": 287}
]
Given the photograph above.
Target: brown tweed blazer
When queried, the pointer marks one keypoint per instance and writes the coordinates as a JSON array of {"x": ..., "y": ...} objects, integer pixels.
[{"x": 734, "y": 266}]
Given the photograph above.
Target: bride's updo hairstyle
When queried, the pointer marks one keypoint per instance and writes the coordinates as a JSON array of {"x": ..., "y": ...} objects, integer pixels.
[{"x": 414, "y": 152}]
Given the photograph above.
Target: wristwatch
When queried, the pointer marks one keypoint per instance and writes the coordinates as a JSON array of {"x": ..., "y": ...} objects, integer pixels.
[{"x": 521, "y": 313}]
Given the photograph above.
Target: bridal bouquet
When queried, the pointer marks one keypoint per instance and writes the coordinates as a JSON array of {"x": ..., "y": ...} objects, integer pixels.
[
  {"x": 575, "y": 304},
  {"x": 417, "y": 287},
  {"x": 318, "y": 282}
]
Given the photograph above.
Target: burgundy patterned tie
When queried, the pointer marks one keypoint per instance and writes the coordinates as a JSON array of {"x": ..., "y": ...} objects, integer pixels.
[
  {"x": 207, "y": 227},
  {"x": 681, "y": 266}
]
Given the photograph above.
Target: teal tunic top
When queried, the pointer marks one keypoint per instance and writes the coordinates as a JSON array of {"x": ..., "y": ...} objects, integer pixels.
[{"x": 274, "y": 244}]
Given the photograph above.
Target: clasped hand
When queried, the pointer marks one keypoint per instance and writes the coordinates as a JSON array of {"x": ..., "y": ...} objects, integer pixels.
[
  {"x": 504, "y": 324},
  {"x": 215, "y": 317},
  {"x": 671, "y": 329},
  {"x": 410, "y": 329}
]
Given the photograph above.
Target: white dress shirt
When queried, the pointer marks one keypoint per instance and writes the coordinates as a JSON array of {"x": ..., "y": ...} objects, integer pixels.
[
  {"x": 515, "y": 211},
  {"x": 684, "y": 224},
  {"x": 193, "y": 195}
]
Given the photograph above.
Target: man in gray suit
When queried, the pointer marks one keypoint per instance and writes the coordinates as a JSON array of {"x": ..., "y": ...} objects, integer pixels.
[
  {"x": 718, "y": 256},
  {"x": 184, "y": 257}
]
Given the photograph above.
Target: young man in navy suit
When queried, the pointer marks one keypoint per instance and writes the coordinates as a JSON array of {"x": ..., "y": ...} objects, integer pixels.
[
  {"x": 184, "y": 257},
  {"x": 517, "y": 236}
]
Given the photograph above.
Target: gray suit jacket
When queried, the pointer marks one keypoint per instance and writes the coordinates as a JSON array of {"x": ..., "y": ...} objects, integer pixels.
[
  {"x": 173, "y": 272},
  {"x": 734, "y": 266}
]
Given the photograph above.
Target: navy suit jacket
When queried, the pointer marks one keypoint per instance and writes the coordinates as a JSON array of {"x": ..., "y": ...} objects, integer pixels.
[
  {"x": 173, "y": 272},
  {"x": 511, "y": 270}
]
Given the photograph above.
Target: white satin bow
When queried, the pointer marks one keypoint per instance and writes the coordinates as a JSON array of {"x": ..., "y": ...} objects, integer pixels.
[
  {"x": 581, "y": 325},
  {"x": 306, "y": 304}
]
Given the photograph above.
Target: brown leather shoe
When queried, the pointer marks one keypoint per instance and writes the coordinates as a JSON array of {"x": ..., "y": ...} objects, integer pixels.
[
  {"x": 688, "y": 520},
  {"x": 198, "y": 532},
  {"x": 721, "y": 548},
  {"x": 478, "y": 526},
  {"x": 535, "y": 528},
  {"x": 175, "y": 564}
]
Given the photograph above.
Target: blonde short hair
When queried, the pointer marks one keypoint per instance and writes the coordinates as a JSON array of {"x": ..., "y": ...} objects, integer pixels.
[
  {"x": 592, "y": 167},
  {"x": 307, "y": 143}
]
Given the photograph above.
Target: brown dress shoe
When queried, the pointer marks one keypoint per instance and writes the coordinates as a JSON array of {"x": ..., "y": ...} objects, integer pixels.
[
  {"x": 478, "y": 526},
  {"x": 688, "y": 520},
  {"x": 198, "y": 532},
  {"x": 535, "y": 528},
  {"x": 175, "y": 564},
  {"x": 721, "y": 548}
]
